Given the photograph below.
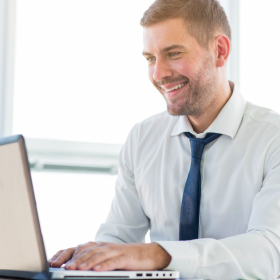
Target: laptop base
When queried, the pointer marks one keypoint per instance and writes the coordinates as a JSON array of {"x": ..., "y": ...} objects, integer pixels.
[{"x": 25, "y": 274}]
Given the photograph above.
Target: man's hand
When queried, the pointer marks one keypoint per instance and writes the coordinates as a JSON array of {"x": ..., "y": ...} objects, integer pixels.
[
  {"x": 62, "y": 256},
  {"x": 111, "y": 256}
]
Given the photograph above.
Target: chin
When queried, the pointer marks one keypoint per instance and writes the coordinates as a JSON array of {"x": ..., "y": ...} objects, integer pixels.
[
  {"x": 175, "y": 112},
  {"x": 176, "y": 109}
]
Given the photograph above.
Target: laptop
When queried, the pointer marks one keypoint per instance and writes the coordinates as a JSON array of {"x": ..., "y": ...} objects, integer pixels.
[{"x": 22, "y": 252}]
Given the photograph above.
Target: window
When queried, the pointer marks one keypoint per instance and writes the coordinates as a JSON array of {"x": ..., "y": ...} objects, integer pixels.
[
  {"x": 71, "y": 206},
  {"x": 259, "y": 52},
  {"x": 79, "y": 72},
  {"x": 80, "y": 84}
]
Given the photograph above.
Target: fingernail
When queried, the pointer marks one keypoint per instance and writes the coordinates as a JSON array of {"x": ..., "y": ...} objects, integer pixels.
[
  {"x": 97, "y": 267},
  {"x": 82, "y": 265}
]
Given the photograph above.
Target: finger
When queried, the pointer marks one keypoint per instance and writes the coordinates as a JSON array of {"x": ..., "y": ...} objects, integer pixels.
[
  {"x": 82, "y": 247},
  {"x": 82, "y": 257},
  {"x": 83, "y": 253},
  {"x": 98, "y": 258},
  {"x": 63, "y": 257},
  {"x": 112, "y": 264},
  {"x": 54, "y": 257}
]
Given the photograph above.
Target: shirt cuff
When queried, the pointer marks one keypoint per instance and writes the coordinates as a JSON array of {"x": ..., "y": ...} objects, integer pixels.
[{"x": 184, "y": 257}]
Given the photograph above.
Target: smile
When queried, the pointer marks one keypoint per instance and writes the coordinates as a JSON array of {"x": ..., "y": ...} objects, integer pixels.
[{"x": 176, "y": 87}]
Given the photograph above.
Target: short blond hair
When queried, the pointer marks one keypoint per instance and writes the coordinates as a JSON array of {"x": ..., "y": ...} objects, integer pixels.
[{"x": 202, "y": 17}]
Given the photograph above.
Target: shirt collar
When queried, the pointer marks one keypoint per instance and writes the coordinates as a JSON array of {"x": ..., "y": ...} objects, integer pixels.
[{"x": 226, "y": 123}]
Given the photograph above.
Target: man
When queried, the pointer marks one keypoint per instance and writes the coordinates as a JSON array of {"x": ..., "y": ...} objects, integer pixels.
[{"x": 204, "y": 178}]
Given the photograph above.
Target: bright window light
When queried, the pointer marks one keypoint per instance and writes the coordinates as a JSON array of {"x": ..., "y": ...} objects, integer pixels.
[
  {"x": 71, "y": 207},
  {"x": 79, "y": 70},
  {"x": 259, "y": 52}
]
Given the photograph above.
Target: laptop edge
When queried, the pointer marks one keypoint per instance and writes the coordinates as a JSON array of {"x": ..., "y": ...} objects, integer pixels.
[{"x": 45, "y": 274}]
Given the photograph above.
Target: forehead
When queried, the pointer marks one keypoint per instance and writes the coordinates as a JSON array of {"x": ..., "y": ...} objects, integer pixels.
[{"x": 163, "y": 34}]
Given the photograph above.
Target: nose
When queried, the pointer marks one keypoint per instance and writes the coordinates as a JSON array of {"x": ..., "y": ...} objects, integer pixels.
[{"x": 161, "y": 70}]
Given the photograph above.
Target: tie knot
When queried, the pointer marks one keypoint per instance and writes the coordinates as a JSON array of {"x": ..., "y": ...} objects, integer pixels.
[{"x": 198, "y": 144}]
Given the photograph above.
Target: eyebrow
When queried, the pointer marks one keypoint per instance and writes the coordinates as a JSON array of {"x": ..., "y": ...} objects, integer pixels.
[{"x": 167, "y": 49}]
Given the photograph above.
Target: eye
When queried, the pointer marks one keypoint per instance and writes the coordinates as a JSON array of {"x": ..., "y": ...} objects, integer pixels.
[
  {"x": 150, "y": 59},
  {"x": 173, "y": 54}
]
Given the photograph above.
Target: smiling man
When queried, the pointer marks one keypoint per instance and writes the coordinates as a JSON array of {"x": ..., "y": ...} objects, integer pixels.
[{"x": 204, "y": 176}]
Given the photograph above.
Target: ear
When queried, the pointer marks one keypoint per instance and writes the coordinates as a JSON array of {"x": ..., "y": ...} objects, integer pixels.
[{"x": 222, "y": 50}]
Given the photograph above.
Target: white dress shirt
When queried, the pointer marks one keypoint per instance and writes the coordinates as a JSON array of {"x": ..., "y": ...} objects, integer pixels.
[{"x": 239, "y": 230}]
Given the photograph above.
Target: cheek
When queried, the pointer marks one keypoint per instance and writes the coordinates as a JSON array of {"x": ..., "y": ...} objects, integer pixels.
[
  {"x": 183, "y": 68},
  {"x": 186, "y": 68}
]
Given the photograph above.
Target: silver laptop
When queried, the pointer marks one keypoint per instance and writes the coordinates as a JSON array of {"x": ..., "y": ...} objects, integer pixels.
[{"x": 22, "y": 252}]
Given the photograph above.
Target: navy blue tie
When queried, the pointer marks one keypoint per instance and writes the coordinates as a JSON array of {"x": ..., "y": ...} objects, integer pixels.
[{"x": 189, "y": 218}]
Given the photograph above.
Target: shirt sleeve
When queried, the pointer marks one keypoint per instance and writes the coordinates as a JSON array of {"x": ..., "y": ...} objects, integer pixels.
[
  {"x": 126, "y": 222},
  {"x": 252, "y": 255}
]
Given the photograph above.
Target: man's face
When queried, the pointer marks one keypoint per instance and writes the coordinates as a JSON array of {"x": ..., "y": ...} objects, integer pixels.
[{"x": 182, "y": 70}]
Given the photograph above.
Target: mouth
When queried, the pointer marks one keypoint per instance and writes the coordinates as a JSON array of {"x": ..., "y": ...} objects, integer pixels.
[
  {"x": 172, "y": 91},
  {"x": 176, "y": 87}
]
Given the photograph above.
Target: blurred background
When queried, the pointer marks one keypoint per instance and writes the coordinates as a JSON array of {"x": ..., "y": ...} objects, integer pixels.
[{"x": 73, "y": 82}]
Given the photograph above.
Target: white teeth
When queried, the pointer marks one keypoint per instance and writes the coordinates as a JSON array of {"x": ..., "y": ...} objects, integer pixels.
[{"x": 176, "y": 87}]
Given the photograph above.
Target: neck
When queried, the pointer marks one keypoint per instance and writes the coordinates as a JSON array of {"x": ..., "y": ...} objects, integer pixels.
[{"x": 201, "y": 123}]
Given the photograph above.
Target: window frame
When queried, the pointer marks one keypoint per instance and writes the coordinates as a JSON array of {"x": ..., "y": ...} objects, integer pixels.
[{"x": 7, "y": 55}]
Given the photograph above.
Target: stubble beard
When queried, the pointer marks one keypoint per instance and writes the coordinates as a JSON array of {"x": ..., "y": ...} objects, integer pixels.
[{"x": 200, "y": 95}]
